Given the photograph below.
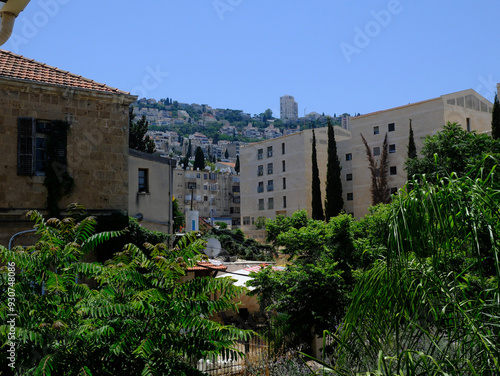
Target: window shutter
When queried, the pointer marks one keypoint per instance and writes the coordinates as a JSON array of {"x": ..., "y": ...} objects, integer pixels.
[{"x": 25, "y": 146}]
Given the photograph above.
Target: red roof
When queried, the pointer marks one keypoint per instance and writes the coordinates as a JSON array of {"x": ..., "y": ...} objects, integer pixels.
[
  {"x": 207, "y": 266},
  {"x": 19, "y": 67}
]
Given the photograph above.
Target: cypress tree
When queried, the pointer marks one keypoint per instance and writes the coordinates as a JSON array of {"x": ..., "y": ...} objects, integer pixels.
[
  {"x": 412, "y": 150},
  {"x": 237, "y": 165},
  {"x": 199, "y": 159},
  {"x": 334, "y": 203},
  {"x": 495, "y": 120},
  {"x": 317, "y": 207},
  {"x": 226, "y": 154}
]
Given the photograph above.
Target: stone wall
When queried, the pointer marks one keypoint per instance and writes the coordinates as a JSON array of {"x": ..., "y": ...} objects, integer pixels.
[{"x": 97, "y": 149}]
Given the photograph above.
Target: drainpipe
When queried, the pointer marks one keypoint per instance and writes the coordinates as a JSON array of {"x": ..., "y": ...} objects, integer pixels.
[{"x": 8, "y": 14}]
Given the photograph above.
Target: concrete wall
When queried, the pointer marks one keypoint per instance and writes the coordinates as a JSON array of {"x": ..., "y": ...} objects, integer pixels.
[
  {"x": 155, "y": 206},
  {"x": 97, "y": 148}
]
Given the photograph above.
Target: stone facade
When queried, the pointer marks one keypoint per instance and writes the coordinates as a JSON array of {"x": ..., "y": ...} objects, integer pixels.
[{"x": 97, "y": 148}]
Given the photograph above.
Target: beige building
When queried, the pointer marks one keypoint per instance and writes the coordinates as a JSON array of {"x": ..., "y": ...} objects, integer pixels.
[
  {"x": 214, "y": 195},
  {"x": 467, "y": 108},
  {"x": 85, "y": 122},
  {"x": 150, "y": 190},
  {"x": 276, "y": 174},
  {"x": 289, "y": 109}
]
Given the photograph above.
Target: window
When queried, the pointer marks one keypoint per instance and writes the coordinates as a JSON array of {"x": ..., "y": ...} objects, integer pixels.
[
  {"x": 260, "y": 154},
  {"x": 246, "y": 220},
  {"x": 350, "y": 196},
  {"x": 270, "y": 185},
  {"x": 260, "y": 170},
  {"x": 270, "y": 203},
  {"x": 391, "y": 127},
  {"x": 260, "y": 187},
  {"x": 348, "y": 157},
  {"x": 236, "y": 188},
  {"x": 284, "y": 202},
  {"x": 394, "y": 190},
  {"x": 261, "y": 204},
  {"x": 376, "y": 130},
  {"x": 269, "y": 168},
  {"x": 392, "y": 148},
  {"x": 393, "y": 170},
  {"x": 283, "y": 166},
  {"x": 376, "y": 150},
  {"x": 205, "y": 198},
  {"x": 269, "y": 151},
  {"x": 348, "y": 177},
  {"x": 284, "y": 183},
  {"x": 282, "y": 148},
  {"x": 143, "y": 180},
  {"x": 468, "y": 124},
  {"x": 31, "y": 146}
]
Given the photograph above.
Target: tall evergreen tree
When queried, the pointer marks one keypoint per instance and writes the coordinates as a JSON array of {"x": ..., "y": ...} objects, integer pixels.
[
  {"x": 226, "y": 154},
  {"x": 334, "y": 203},
  {"x": 185, "y": 161},
  {"x": 412, "y": 149},
  {"x": 495, "y": 120},
  {"x": 317, "y": 206},
  {"x": 138, "y": 139},
  {"x": 237, "y": 164},
  {"x": 199, "y": 159}
]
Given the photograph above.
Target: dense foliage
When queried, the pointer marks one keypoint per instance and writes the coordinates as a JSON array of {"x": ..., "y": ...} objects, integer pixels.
[
  {"x": 334, "y": 202},
  {"x": 316, "y": 204},
  {"x": 132, "y": 315},
  {"x": 138, "y": 139}
]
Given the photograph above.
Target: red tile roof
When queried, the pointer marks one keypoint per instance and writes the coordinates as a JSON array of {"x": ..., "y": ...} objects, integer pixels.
[
  {"x": 207, "y": 266},
  {"x": 19, "y": 67}
]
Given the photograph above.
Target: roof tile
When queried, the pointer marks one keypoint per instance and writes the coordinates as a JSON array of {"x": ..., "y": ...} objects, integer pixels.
[{"x": 19, "y": 67}]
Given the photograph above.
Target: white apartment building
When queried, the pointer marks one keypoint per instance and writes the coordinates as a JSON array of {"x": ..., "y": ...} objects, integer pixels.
[
  {"x": 289, "y": 109},
  {"x": 276, "y": 174}
]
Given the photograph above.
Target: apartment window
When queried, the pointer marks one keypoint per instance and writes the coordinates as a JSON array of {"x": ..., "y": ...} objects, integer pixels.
[
  {"x": 246, "y": 220},
  {"x": 393, "y": 170},
  {"x": 284, "y": 202},
  {"x": 269, "y": 168},
  {"x": 394, "y": 190},
  {"x": 205, "y": 198},
  {"x": 348, "y": 177},
  {"x": 260, "y": 154},
  {"x": 270, "y": 185},
  {"x": 348, "y": 157},
  {"x": 283, "y": 166},
  {"x": 260, "y": 170},
  {"x": 468, "y": 125},
  {"x": 282, "y": 148},
  {"x": 391, "y": 127},
  {"x": 350, "y": 196},
  {"x": 376, "y": 151},
  {"x": 191, "y": 185},
  {"x": 269, "y": 151},
  {"x": 31, "y": 145},
  {"x": 284, "y": 183},
  {"x": 270, "y": 203},
  {"x": 376, "y": 130},
  {"x": 261, "y": 204},
  {"x": 143, "y": 180},
  {"x": 392, "y": 148},
  {"x": 260, "y": 187}
]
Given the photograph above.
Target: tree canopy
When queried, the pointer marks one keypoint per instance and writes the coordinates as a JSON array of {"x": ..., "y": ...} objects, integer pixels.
[
  {"x": 316, "y": 204},
  {"x": 334, "y": 201},
  {"x": 138, "y": 139}
]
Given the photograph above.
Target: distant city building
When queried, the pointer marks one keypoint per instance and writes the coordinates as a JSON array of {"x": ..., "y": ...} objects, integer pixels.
[
  {"x": 289, "y": 109},
  {"x": 215, "y": 195}
]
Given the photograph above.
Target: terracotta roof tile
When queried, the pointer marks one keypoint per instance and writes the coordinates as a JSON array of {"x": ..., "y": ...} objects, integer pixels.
[
  {"x": 19, "y": 67},
  {"x": 205, "y": 265}
]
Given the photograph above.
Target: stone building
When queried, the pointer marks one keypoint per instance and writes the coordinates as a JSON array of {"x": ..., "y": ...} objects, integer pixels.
[{"x": 55, "y": 123}]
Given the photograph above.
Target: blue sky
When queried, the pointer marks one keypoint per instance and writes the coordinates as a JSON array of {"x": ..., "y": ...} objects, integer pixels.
[{"x": 333, "y": 56}]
